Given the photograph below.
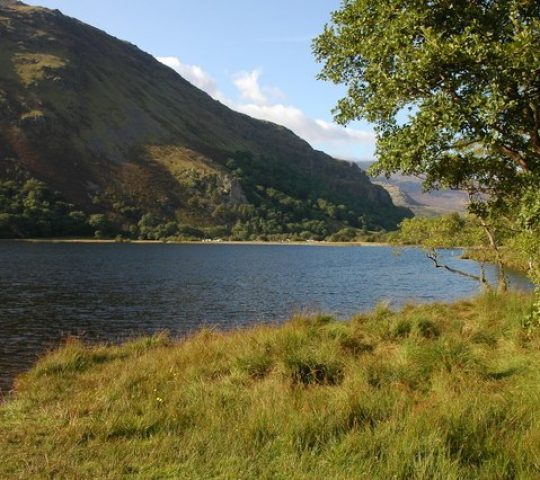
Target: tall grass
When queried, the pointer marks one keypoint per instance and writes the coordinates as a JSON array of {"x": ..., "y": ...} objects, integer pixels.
[{"x": 429, "y": 392}]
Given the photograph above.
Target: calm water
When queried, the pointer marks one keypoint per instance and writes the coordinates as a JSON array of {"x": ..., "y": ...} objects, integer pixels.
[{"x": 115, "y": 291}]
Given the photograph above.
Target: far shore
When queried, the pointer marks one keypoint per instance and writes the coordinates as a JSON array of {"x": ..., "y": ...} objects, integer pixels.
[{"x": 204, "y": 242}]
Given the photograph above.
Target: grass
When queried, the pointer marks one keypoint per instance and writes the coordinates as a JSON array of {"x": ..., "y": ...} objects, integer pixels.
[
  {"x": 33, "y": 67},
  {"x": 429, "y": 392}
]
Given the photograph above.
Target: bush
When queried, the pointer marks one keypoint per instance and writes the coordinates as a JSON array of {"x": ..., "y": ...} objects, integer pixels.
[{"x": 29, "y": 209}]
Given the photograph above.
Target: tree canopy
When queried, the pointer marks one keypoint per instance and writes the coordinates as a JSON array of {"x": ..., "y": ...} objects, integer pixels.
[{"x": 453, "y": 88}]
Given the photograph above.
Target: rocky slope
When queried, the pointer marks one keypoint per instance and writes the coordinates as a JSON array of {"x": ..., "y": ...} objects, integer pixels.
[
  {"x": 408, "y": 192},
  {"x": 116, "y": 132}
]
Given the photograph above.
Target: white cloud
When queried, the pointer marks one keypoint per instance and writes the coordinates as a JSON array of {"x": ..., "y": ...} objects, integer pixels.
[
  {"x": 247, "y": 84},
  {"x": 313, "y": 130},
  {"x": 274, "y": 93},
  {"x": 263, "y": 102},
  {"x": 195, "y": 75}
]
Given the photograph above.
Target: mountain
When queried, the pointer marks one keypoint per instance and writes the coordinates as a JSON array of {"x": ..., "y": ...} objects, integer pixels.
[
  {"x": 96, "y": 130},
  {"x": 407, "y": 191}
]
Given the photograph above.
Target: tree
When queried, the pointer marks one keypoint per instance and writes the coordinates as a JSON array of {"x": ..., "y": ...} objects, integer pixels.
[
  {"x": 449, "y": 231},
  {"x": 99, "y": 223},
  {"x": 453, "y": 88}
]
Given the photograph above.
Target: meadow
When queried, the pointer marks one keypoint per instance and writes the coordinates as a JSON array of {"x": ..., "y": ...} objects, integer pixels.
[{"x": 440, "y": 391}]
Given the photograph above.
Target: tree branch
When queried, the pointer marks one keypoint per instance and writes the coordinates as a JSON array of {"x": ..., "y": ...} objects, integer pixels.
[
  {"x": 479, "y": 278},
  {"x": 536, "y": 127},
  {"x": 515, "y": 156},
  {"x": 463, "y": 144},
  {"x": 533, "y": 113}
]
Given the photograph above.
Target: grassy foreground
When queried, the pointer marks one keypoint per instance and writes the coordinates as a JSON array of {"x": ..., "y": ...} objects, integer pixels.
[{"x": 430, "y": 392}]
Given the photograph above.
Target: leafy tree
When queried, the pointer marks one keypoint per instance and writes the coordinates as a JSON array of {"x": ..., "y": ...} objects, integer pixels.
[
  {"x": 453, "y": 88},
  {"x": 346, "y": 234},
  {"x": 467, "y": 72},
  {"x": 527, "y": 241},
  {"x": 99, "y": 223},
  {"x": 450, "y": 231},
  {"x": 29, "y": 209}
]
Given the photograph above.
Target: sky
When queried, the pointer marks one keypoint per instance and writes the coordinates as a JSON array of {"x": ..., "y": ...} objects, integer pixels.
[{"x": 253, "y": 56}]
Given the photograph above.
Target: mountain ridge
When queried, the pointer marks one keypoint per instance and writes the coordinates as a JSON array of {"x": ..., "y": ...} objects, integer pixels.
[
  {"x": 117, "y": 132},
  {"x": 408, "y": 191}
]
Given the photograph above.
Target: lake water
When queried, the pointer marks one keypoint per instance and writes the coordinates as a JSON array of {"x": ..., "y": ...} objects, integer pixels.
[{"x": 111, "y": 292}]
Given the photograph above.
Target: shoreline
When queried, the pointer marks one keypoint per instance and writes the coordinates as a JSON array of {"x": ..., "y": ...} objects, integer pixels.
[
  {"x": 202, "y": 242},
  {"x": 298, "y": 391}
]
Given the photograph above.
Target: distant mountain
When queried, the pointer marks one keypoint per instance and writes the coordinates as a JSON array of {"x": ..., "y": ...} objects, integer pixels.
[
  {"x": 108, "y": 130},
  {"x": 407, "y": 191}
]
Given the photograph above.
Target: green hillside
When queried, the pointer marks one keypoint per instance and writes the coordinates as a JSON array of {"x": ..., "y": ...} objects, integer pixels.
[{"x": 114, "y": 134}]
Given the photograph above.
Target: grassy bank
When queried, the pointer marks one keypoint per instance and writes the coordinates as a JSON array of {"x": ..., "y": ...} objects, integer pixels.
[{"x": 431, "y": 392}]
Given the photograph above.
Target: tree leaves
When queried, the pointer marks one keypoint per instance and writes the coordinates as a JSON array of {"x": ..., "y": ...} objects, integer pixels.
[
  {"x": 453, "y": 88},
  {"x": 471, "y": 70}
]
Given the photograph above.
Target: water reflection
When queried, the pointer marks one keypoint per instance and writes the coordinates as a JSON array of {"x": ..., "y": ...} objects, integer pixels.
[{"x": 115, "y": 291}]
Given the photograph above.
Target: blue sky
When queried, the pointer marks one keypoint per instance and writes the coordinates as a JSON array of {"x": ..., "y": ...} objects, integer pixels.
[{"x": 254, "y": 56}]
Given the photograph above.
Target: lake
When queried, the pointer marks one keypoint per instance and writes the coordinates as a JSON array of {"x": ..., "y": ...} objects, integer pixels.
[{"x": 111, "y": 292}]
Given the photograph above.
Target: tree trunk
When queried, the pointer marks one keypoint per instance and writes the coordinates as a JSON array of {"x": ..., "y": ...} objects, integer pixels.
[{"x": 502, "y": 283}]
